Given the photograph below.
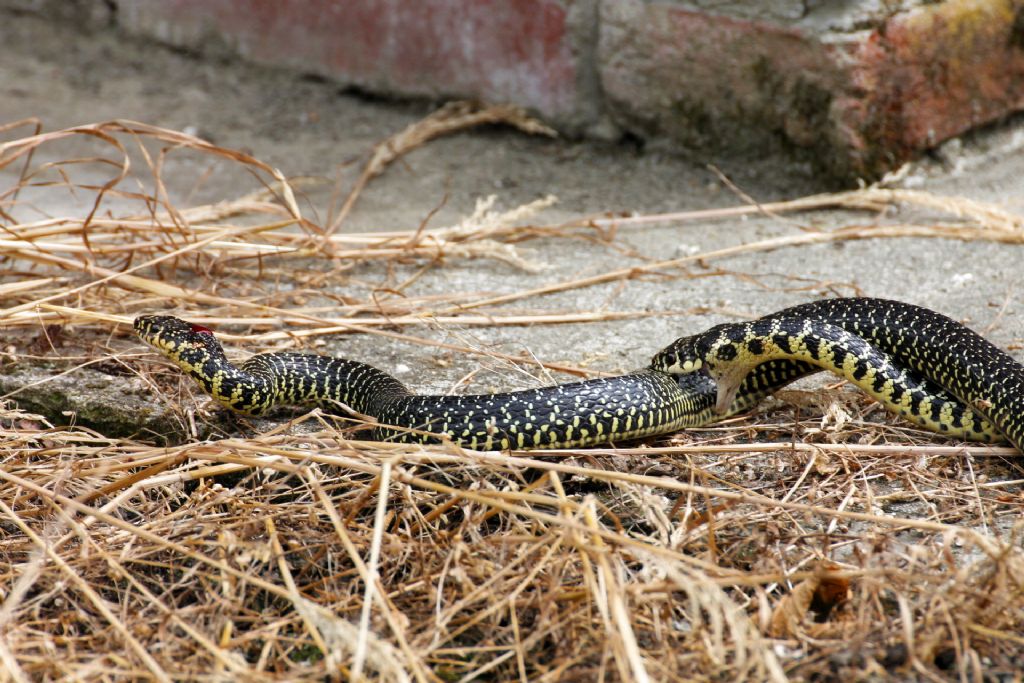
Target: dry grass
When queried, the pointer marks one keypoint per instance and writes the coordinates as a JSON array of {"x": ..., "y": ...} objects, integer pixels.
[{"x": 782, "y": 545}]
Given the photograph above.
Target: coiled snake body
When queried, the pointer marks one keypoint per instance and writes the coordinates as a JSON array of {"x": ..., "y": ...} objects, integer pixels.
[{"x": 916, "y": 362}]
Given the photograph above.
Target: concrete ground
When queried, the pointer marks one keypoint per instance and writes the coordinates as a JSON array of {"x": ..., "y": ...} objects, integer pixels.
[{"x": 307, "y": 126}]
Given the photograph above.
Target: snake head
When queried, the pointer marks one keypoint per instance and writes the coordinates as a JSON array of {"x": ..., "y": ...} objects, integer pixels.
[
  {"x": 191, "y": 347},
  {"x": 678, "y": 358}
]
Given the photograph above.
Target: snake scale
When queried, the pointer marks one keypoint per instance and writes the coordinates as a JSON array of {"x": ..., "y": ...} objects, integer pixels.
[{"x": 916, "y": 362}]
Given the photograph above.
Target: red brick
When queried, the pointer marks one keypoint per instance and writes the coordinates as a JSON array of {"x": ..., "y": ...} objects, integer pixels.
[
  {"x": 930, "y": 75},
  {"x": 495, "y": 50},
  {"x": 857, "y": 104}
]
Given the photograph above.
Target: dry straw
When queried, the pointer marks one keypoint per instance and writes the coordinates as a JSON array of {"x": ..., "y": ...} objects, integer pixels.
[{"x": 780, "y": 545}]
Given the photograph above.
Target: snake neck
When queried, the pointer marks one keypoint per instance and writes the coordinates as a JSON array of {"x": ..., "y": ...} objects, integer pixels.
[{"x": 272, "y": 379}]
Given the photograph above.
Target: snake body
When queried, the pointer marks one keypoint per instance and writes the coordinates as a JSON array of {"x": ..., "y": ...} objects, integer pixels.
[
  {"x": 630, "y": 406},
  {"x": 918, "y": 363}
]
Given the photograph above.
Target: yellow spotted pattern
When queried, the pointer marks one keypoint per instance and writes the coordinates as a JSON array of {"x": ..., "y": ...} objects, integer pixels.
[
  {"x": 631, "y": 406},
  {"x": 916, "y": 362}
]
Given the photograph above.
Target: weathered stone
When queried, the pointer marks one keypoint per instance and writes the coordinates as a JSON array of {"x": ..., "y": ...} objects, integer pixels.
[
  {"x": 522, "y": 52},
  {"x": 857, "y": 101},
  {"x": 856, "y": 88},
  {"x": 113, "y": 405}
]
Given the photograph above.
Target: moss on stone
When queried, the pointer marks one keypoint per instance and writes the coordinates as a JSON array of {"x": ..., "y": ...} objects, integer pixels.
[{"x": 115, "y": 406}]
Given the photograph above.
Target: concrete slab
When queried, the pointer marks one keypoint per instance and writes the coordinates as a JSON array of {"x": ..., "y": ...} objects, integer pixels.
[{"x": 306, "y": 127}]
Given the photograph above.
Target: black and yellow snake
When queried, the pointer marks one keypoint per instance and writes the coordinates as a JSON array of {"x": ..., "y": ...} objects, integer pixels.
[{"x": 918, "y": 363}]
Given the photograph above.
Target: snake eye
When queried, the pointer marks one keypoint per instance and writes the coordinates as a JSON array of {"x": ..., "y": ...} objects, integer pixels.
[{"x": 199, "y": 329}]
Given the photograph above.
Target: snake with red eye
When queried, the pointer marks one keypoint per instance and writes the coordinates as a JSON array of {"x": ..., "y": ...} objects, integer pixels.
[{"x": 916, "y": 362}]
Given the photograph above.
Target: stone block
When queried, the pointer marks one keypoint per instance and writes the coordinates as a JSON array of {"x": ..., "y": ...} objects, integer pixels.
[{"x": 856, "y": 92}]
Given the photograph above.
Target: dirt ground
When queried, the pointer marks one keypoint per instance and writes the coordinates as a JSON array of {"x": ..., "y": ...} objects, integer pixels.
[{"x": 321, "y": 136}]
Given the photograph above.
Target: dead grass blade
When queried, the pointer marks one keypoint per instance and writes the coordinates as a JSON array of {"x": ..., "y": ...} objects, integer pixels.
[
  {"x": 451, "y": 118},
  {"x": 300, "y": 553}
]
